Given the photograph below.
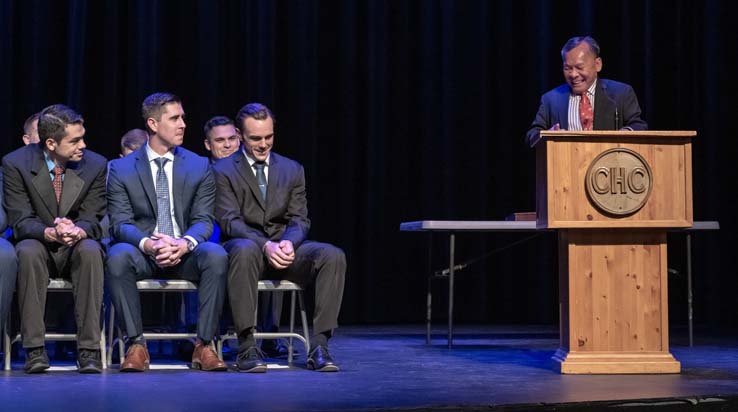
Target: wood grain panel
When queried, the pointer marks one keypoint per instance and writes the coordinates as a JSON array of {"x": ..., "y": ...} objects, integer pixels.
[{"x": 568, "y": 155}]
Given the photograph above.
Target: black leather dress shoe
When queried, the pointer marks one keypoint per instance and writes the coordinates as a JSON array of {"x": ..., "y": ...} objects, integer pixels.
[
  {"x": 320, "y": 360},
  {"x": 276, "y": 349},
  {"x": 89, "y": 361},
  {"x": 37, "y": 361},
  {"x": 251, "y": 360}
]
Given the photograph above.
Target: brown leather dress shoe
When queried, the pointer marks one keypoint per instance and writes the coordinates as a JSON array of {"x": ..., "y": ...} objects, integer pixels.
[
  {"x": 205, "y": 358},
  {"x": 137, "y": 359}
]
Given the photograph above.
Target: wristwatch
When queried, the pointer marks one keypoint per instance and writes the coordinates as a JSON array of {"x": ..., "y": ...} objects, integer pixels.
[{"x": 190, "y": 245}]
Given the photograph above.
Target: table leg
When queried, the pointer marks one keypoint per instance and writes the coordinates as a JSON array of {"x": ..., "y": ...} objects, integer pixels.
[
  {"x": 428, "y": 297},
  {"x": 451, "y": 270},
  {"x": 689, "y": 289}
]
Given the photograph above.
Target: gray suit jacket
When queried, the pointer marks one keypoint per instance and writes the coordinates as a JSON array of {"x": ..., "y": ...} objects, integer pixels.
[
  {"x": 29, "y": 195},
  {"x": 611, "y": 97},
  {"x": 242, "y": 213},
  {"x": 132, "y": 196}
]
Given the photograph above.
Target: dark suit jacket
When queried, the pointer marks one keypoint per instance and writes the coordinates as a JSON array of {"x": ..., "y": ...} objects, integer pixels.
[
  {"x": 30, "y": 199},
  {"x": 242, "y": 213},
  {"x": 132, "y": 203},
  {"x": 3, "y": 215},
  {"x": 610, "y": 97}
]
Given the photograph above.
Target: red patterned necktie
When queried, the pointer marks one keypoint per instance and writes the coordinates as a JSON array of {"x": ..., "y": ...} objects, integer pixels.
[
  {"x": 586, "y": 115},
  {"x": 58, "y": 172}
]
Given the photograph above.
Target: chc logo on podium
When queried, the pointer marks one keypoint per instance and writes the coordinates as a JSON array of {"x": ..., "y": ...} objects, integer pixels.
[{"x": 618, "y": 181}]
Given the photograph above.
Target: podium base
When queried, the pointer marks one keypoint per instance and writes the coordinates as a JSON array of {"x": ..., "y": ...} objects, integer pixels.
[{"x": 616, "y": 362}]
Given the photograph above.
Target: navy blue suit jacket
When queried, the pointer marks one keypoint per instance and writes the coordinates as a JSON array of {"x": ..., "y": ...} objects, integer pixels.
[
  {"x": 611, "y": 97},
  {"x": 132, "y": 196}
]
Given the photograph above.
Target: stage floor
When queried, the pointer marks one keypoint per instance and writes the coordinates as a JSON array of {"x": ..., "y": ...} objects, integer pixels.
[{"x": 387, "y": 368}]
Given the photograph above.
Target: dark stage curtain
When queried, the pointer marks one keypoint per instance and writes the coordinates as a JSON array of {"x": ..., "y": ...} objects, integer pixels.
[{"x": 400, "y": 110}]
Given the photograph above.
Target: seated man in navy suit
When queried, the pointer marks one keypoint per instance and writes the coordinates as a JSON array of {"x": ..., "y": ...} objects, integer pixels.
[
  {"x": 586, "y": 102},
  {"x": 160, "y": 202},
  {"x": 261, "y": 208}
]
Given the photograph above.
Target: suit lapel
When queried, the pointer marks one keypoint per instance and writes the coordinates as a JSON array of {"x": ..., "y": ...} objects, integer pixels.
[
  {"x": 604, "y": 115},
  {"x": 563, "y": 109},
  {"x": 244, "y": 169},
  {"x": 273, "y": 179},
  {"x": 71, "y": 189},
  {"x": 144, "y": 174},
  {"x": 42, "y": 183},
  {"x": 179, "y": 172}
]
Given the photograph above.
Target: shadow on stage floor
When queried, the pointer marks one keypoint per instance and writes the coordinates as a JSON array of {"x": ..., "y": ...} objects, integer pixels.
[{"x": 389, "y": 368}]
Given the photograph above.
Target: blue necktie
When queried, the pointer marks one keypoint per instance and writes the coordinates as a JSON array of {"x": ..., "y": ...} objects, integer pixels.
[
  {"x": 261, "y": 178},
  {"x": 164, "y": 214}
]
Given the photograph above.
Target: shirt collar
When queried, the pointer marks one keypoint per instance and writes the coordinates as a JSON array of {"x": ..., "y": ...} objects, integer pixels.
[
  {"x": 151, "y": 154},
  {"x": 49, "y": 163},
  {"x": 590, "y": 91},
  {"x": 252, "y": 160}
]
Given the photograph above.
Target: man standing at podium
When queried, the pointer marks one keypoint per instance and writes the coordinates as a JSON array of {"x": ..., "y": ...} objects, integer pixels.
[{"x": 586, "y": 102}]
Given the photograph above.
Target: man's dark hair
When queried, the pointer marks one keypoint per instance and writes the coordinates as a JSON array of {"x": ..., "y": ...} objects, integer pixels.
[
  {"x": 215, "y": 122},
  {"x": 27, "y": 123},
  {"x": 153, "y": 106},
  {"x": 255, "y": 110},
  {"x": 575, "y": 41},
  {"x": 53, "y": 121},
  {"x": 133, "y": 139}
]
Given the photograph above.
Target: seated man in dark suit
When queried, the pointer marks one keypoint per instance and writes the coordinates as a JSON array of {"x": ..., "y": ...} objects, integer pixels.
[
  {"x": 55, "y": 198},
  {"x": 132, "y": 141},
  {"x": 586, "y": 102},
  {"x": 30, "y": 129},
  {"x": 222, "y": 140},
  {"x": 160, "y": 202},
  {"x": 8, "y": 266},
  {"x": 261, "y": 207}
]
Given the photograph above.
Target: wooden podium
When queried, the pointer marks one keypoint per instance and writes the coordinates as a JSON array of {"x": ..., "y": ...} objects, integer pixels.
[{"x": 612, "y": 195}]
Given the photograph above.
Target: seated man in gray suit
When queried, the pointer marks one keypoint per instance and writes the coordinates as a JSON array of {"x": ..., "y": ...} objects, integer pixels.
[
  {"x": 8, "y": 266},
  {"x": 55, "y": 198},
  {"x": 261, "y": 207},
  {"x": 160, "y": 202}
]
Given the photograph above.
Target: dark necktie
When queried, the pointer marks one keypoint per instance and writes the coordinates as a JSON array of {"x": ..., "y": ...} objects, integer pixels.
[
  {"x": 261, "y": 178},
  {"x": 585, "y": 112},
  {"x": 58, "y": 172},
  {"x": 164, "y": 214}
]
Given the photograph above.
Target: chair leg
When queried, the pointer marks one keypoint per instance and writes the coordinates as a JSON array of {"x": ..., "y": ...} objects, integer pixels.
[
  {"x": 7, "y": 346},
  {"x": 292, "y": 328},
  {"x": 103, "y": 345},
  {"x": 111, "y": 335},
  {"x": 304, "y": 323}
]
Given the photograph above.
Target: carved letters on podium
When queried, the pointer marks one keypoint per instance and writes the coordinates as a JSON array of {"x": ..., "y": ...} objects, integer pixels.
[{"x": 618, "y": 182}]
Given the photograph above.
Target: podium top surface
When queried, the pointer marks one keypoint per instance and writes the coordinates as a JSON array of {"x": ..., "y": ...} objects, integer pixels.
[
  {"x": 548, "y": 134},
  {"x": 504, "y": 226}
]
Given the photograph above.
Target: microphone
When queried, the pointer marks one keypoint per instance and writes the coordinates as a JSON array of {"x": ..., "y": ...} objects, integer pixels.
[{"x": 617, "y": 119}]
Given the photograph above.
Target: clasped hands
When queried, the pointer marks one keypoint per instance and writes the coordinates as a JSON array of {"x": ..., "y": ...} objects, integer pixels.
[
  {"x": 65, "y": 232},
  {"x": 166, "y": 250},
  {"x": 279, "y": 255}
]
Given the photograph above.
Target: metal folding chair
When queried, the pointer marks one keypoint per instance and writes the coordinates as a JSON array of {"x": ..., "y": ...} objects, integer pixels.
[
  {"x": 151, "y": 285},
  {"x": 266, "y": 286},
  {"x": 55, "y": 285}
]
